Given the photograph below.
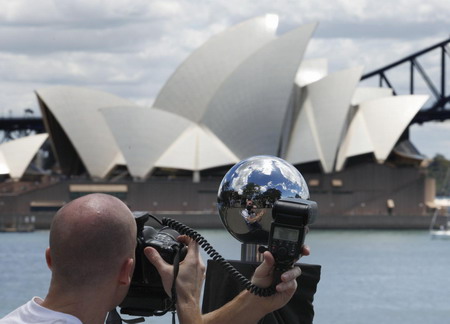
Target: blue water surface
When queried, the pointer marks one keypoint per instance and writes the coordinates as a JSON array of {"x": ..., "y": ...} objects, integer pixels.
[{"x": 368, "y": 277}]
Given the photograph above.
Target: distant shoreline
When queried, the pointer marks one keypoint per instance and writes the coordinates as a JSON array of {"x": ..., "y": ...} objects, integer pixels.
[{"x": 203, "y": 220}]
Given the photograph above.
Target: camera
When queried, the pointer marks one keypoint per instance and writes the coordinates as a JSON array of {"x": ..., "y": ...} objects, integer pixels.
[
  {"x": 146, "y": 296},
  {"x": 291, "y": 217}
]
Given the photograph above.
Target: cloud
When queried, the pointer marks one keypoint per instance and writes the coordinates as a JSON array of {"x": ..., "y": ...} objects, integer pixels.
[{"x": 80, "y": 13}]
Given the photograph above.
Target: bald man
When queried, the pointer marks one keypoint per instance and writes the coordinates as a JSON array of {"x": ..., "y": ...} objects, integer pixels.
[{"x": 91, "y": 257}]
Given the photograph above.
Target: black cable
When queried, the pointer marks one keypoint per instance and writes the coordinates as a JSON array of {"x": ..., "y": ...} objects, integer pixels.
[
  {"x": 186, "y": 230},
  {"x": 156, "y": 219}
]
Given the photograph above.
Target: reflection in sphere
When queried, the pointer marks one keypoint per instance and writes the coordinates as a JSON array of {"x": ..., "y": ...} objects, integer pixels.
[{"x": 249, "y": 190}]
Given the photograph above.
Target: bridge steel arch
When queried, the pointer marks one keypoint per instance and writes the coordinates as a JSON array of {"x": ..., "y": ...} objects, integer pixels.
[{"x": 439, "y": 109}]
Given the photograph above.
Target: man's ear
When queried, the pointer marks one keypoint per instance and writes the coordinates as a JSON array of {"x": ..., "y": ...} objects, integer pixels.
[
  {"x": 126, "y": 272},
  {"x": 48, "y": 258}
]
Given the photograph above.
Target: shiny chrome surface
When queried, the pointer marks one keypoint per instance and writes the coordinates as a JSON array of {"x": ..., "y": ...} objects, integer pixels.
[
  {"x": 258, "y": 181},
  {"x": 250, "y": 253}
]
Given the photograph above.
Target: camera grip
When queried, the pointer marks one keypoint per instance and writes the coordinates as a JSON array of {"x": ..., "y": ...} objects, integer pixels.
[{"x": 277, "y": 272}]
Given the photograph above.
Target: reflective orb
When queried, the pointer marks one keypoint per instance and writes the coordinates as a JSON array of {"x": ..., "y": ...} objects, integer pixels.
[{"x": 249, "y": 190}]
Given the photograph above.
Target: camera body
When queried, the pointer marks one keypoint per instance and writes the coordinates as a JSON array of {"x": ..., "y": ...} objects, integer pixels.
[
  {"x": 291, "y": 217},
  {"x": 146, "y": 295}
]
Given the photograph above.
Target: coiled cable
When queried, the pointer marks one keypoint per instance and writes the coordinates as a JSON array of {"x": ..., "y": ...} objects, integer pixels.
[{"x": 186, "y": 230}]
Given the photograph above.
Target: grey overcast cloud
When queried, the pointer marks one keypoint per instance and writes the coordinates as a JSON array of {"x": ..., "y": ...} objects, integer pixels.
[{"x": 131, "y": 47}]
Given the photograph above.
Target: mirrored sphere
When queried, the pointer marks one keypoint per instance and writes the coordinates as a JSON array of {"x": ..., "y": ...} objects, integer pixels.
[{"x": 249, "y": 190}]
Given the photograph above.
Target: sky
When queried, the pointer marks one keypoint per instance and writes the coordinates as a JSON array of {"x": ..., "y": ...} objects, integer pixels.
[{"x": 131, "y": 47}]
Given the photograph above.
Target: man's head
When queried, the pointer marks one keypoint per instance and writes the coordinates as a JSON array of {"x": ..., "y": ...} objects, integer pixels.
[{"x": 90, "y": 240}]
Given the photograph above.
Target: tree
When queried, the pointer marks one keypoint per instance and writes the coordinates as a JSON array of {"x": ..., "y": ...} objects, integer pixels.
[{"x": 439, "y": 168}]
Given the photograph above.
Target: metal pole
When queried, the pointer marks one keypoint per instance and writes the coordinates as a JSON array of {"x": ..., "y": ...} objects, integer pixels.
[
  {"x": 442, "y": 71},
  {"x": 250, "y": 253}
]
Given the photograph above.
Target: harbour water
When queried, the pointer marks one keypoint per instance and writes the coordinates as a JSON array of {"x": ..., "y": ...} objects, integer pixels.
[{"x": 368, "y": 277}]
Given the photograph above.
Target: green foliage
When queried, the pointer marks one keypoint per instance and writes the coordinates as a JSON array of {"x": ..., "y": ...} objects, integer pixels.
[{"x": 439, "y": 169}]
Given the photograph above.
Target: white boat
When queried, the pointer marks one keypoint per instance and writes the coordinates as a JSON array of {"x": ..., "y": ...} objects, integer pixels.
[
  {"x": 440, "y": 234},
  {"x": 441, "y": 231}
]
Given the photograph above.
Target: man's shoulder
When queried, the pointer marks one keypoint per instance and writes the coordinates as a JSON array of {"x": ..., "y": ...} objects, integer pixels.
[
  {"x": 16, "y": 316},
  {"x": 32, "y": 312}
]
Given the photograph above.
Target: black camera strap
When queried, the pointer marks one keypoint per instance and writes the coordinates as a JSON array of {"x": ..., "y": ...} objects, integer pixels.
[
  {"x": 176, "y": 268},
  {"x": 173, "y": 290}
]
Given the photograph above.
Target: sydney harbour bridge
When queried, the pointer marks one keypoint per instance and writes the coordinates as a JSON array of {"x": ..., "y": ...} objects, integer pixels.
[{"x": 404, "y": 76}]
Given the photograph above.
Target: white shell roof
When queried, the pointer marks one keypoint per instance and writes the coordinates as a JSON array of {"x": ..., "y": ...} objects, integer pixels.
[
  {"x": 197, "y": 149},
  {"x": 189, "y": 90},
  {"x": 16, "y": 155},
  {"x": 311, "y": 71},
  {"x": 156, "y": 138},
  {"x": 304, "y": 145},
  {"x": 247, "y": 112},
  {"x": 143, "y": 134},
  {"x": 321, "y": 123},
  {"x": 371, "y": 131},
  {"x": 4, "y": 169},
  {"x": 77, "y": 111}
]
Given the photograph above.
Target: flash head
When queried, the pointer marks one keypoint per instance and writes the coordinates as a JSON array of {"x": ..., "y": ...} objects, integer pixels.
[
  {"x": 294, "y": 211},
  {"x": 291, "y": 217}
]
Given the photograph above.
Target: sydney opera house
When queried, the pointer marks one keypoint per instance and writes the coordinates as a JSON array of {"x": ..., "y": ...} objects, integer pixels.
[{"x": 246, "y": 91}]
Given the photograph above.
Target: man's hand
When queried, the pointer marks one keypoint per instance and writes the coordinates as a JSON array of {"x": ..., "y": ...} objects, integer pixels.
[
  {"x": 263, "y": 277},
  {"x": 189, "y": 280}
]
